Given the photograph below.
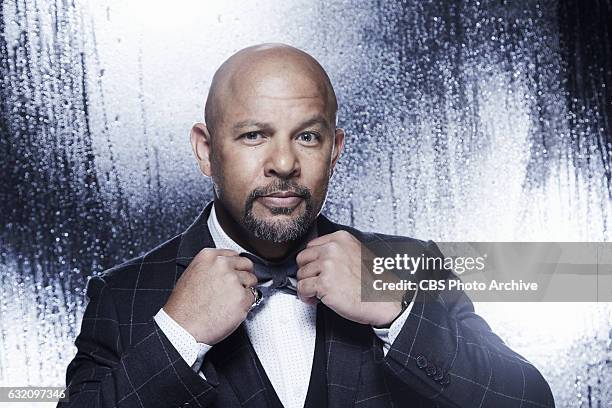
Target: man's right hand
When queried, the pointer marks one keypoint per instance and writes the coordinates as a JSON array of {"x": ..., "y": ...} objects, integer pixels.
[{"x": 213, "y": 296}]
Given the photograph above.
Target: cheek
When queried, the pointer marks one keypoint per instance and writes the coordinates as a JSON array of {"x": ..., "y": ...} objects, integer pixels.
[
  {"x": 239, "y": 170},
  {"x": 319, "y": 176},
  {"x": 320, "y": 188}
]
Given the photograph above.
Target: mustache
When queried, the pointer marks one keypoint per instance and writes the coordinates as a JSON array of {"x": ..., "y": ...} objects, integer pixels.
[{"x": 278, "y": 186}]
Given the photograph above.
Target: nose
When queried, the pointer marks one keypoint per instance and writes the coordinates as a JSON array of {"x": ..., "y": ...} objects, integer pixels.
[{"x": 282, "y": 160}]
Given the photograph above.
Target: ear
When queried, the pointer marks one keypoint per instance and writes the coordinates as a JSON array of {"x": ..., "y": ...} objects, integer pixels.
[
  {"x": 338, "y": 146},
  {"x": 202, "y": 147}
]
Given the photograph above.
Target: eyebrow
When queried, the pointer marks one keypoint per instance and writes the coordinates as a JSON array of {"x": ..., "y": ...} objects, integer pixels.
[
  {"x": 315, "y": 120},
  {"x": 249, "y": 123}
]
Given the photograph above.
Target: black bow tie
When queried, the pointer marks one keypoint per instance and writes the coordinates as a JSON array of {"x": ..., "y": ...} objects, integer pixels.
[
  {"x": 280, "y": 275},
  {"x": 275, "y": 275}
]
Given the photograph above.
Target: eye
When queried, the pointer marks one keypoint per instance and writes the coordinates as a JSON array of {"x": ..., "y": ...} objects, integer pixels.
[
  {"x": 309, "y": 137},
  {"x": 251, "y": 136}
]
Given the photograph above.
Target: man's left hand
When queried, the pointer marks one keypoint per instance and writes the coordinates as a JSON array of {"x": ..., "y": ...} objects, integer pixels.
[{"x": 330, "y": 270}]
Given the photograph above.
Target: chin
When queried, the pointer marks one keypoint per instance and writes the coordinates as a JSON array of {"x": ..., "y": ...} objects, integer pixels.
[{"x": 277, "y": 228}]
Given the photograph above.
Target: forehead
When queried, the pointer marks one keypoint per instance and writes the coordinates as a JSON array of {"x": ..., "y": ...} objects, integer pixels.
[{"x": 274, "y": 94}]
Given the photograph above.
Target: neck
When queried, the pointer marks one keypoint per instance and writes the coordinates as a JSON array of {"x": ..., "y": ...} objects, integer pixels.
[{"x": 265, "y": 249}]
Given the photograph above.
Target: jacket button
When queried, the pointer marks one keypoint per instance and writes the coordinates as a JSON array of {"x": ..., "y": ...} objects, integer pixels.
[
  {"x": 439, "y": 375},
  {"x": 430, "y": 370},
  {"x": 421, "y": 362},
  {"x": 446, "y": 379},
  {"x": 186, "y": 404}
]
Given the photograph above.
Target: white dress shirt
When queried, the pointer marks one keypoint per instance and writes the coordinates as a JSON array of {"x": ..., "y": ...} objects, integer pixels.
[{"x": 282, "y": 330}]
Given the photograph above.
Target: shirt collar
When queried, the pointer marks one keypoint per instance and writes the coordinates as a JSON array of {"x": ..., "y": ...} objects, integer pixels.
[{"x": 220, "y": 237}]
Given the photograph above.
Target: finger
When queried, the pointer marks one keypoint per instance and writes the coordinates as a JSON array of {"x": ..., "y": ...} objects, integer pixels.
[
  {"x": 240, "y": 263},
  {"x": 308, "y": 288},
  {"x": 247, "y": 279},
  {"x": 327, "y": 238},
  {"x": 307, "y": 255},
  {"x": 310, "y": 300},
  {"x": 321, "y": 240},
  {"x": 309, "y": 270},
  {"x": 213, "y": 252},
  {"x": 225, "y": 252}
]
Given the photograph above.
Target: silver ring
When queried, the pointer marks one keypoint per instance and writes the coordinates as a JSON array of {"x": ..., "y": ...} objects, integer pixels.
[{"x": 257, "y": 295}]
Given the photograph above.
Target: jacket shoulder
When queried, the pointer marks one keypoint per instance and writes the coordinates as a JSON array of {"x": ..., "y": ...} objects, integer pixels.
[
  {"x": 371, "y": 237},
  {"x": 154, "y": 265}
]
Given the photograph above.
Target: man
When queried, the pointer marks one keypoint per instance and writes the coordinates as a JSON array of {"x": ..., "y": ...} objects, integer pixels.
[{"x": 186, "y": 324}]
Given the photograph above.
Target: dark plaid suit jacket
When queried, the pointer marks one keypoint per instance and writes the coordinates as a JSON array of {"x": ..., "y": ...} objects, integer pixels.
[{"x": 445, "y": 355}]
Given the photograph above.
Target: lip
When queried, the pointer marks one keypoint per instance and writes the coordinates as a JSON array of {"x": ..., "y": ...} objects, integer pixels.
[
  {"x": 281, "y": 199},
  {"x": 283, "y": 194}
]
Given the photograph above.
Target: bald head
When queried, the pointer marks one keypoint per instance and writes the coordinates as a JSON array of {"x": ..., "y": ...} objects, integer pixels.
[
  {"x": 267, "y": 70},
  {"x": 270, "y": 144}
]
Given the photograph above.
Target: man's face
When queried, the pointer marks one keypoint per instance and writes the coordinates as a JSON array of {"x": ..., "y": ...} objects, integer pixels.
[{"x": 272, "y": 151}]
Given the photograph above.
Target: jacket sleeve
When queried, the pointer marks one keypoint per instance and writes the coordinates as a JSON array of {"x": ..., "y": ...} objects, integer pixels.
[
  {"x": 149, "y": 373},
  {"x": 448, "y": 354}
]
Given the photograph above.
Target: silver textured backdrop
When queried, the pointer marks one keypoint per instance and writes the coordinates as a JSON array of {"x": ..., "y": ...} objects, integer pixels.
[{"x": 466, "y": 121}]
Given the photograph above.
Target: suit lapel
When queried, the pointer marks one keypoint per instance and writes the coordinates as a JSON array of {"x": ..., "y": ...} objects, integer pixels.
[
  {"x": 234, "y": 357},
  {"x": 345, "y": 345},
  {"x": 195, "y": 238}
]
